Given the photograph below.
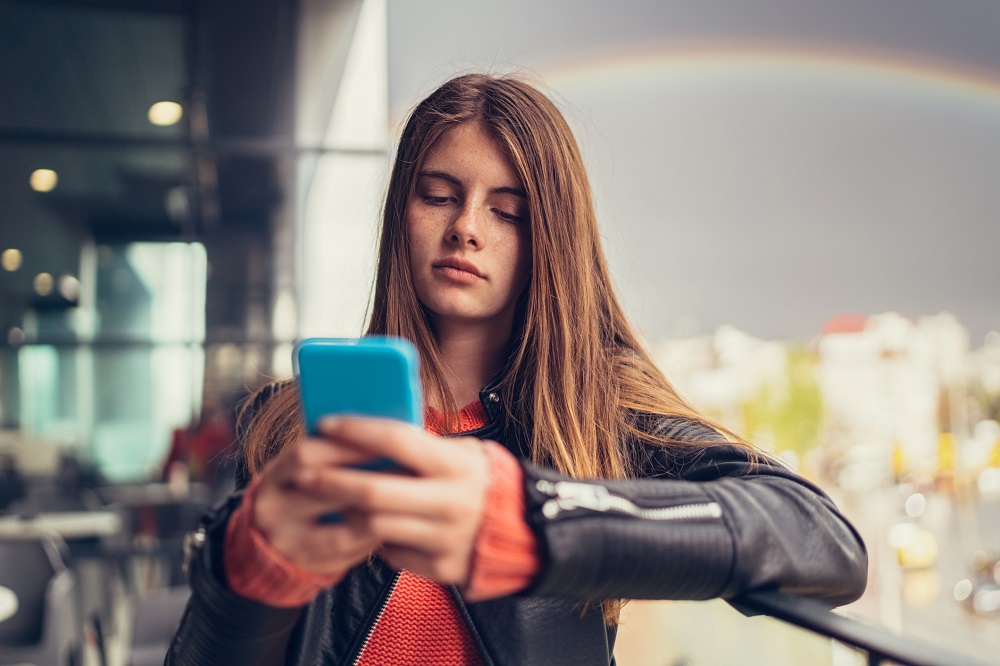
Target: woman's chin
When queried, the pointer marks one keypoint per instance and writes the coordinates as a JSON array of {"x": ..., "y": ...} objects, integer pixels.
[
  {"x": 463, "y": 315},
  {"x": 459, "y": 315}
]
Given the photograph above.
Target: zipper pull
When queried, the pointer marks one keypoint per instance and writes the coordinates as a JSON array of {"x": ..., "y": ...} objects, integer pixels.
[{"x": 568, "y": 495}]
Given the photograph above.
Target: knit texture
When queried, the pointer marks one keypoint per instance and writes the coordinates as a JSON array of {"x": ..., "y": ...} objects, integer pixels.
[
  {"x": 420, "y": 625},
  {"x": 505, "y": 555},
  {"x": 470, "y": 417}
]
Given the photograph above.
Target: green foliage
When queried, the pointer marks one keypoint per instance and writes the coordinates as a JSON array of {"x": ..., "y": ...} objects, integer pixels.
[{"x": 788, "y": 416}]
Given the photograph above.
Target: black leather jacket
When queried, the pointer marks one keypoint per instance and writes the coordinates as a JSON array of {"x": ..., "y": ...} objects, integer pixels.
[{"x": 708, "y": 521}]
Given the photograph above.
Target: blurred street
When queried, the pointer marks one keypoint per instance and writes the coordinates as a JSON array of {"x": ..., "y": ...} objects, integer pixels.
[
  {"x": 915, "y": 602},
  {"x": 921, "y": 602}
]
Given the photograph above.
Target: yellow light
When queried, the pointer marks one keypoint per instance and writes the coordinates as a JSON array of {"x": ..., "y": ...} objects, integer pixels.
[
  {"x": 43, "y": 284},
  {"x": 11, "y": 259},
  {"x": 43, "y": 180},
  {"x": 165, "y": 114}
]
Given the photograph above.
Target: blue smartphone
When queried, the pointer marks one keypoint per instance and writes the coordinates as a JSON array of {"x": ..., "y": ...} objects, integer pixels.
[{"x": 370, "y": 376}]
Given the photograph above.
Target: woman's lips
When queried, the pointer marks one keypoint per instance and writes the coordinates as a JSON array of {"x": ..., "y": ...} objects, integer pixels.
[{"x": 458, "y": 270}]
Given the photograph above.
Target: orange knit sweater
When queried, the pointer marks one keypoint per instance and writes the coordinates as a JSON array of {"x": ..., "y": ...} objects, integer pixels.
[{"x": 420, "y": 623}]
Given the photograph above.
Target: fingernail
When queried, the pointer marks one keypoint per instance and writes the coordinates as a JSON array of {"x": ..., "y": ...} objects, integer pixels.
[{"x": 329, "y": 423}]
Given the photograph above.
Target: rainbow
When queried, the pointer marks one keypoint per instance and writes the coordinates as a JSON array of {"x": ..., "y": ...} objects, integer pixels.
[{"x": 729, "y": 59}]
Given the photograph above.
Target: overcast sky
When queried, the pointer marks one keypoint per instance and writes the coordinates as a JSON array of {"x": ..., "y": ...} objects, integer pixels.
[{"x": 764, "y": 163}]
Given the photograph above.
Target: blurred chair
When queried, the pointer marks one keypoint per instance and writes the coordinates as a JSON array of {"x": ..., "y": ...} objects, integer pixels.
[
  {"x": 45, "y": 628},
  {"x": 11, "y": 482},
  {"x": 156, "y": 517},
  {"x": 70, "y": 487},
  {"x": 91, "y": 540},
  {"x": 157, "y": 615}
]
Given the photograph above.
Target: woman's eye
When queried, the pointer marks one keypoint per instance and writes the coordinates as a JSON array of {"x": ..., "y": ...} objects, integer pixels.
[
  {"x": 436, "y": 201},
  {"x": 510, "y": 217}
]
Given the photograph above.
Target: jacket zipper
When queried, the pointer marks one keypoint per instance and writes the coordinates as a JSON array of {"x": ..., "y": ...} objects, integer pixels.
[
  {"x": 193, "y": 541},
  {"x": 381, "y": 611},
  {"x": 571, "y": 495},
  {"x": 470, "y": 625}
]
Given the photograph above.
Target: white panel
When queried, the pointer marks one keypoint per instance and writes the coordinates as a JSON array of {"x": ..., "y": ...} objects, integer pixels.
[
  {"x": 361, "y": 112},
  {"x": 339, "y": 244},
  {"x": 338, "y": 235}
]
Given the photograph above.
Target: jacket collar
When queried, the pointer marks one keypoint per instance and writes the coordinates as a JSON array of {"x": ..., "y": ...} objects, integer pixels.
[{"x": 489, "y": 396}]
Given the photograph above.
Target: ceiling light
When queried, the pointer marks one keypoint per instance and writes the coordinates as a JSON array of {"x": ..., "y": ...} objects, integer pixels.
[
  {"x": 69, "y": 287},
  {"x": 43, "y": 180},
  {"x": 165, "y": 114},
  {"x": 11, "y": 259},
  {"x": 43, "y": 284}
]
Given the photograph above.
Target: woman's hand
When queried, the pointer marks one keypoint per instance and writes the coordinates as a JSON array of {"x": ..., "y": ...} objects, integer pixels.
[
  {"x": 426, "y": 522},
  {"x": 287, "y": 508}
]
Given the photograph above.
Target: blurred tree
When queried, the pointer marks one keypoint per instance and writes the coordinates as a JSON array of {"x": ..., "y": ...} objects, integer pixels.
[{"x": 789, "y": 415}]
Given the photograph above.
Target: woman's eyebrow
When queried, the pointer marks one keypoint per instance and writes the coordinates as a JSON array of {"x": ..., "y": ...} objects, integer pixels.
[
  {"x": 516, "y": 191},
  {"x": 444, "y": 175}
]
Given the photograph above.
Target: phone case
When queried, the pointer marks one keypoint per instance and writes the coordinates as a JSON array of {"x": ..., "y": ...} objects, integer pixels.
[{"x": 370, "y": 376}]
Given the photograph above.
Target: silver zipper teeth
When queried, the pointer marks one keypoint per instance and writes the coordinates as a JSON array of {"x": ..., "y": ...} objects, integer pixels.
[
  {"x": 569, "y": 495},
  {"x": 381, "y": 611}
]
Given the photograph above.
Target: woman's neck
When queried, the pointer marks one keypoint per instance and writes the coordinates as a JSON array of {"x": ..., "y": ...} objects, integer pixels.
[{"x": 472, "y": 355}]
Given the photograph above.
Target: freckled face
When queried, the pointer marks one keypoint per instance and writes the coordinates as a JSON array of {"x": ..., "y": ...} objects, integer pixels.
[{"x": 467, "y": 220}]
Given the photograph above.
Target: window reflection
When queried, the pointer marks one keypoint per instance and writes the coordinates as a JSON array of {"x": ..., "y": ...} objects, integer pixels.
[{"x": 111, "y": 384}]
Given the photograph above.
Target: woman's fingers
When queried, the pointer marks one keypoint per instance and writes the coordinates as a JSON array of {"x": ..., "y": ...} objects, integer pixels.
[
  {"x": 426, "y": 525},
  {"x": 407, "y": 532},
  {"x": 286, "y": 509},
  {"x": 326, "y": 549},
  {"x": 284, "y": 505},
  {"x": 406, "y": 445},
  {"x": 286, "y": 517},
  {"x": 449, "y": 473},
  {"x": 292, "y": 479},
  {"x": 374, "y": 492},
  {"x": 314, "y": 453}
]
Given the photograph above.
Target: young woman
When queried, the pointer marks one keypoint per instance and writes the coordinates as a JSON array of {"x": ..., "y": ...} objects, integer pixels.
[{"x": 558, "y": 474}]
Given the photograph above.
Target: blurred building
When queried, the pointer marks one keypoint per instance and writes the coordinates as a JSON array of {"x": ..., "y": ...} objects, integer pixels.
[
  {"x": 162, "y": 242},
  {"x": 721, "y": 372},
  {"x": 889, "y": 381},
  {"x": 879, "y": 395}
]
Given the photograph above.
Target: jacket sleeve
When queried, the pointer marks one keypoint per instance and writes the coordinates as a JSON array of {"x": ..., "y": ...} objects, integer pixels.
[
  {"x": 711, "y": 519},
  {"x": 218, "y": 626}
]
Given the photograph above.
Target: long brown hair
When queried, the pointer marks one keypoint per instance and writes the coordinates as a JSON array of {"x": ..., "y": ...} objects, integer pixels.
[{"x": 578, "y": 375}]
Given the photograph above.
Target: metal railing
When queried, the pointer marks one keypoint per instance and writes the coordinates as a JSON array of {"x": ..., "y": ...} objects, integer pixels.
[{"x": 880, "y": 646}]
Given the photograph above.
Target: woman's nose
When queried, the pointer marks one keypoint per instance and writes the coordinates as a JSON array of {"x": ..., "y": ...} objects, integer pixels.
[{"x": 465, "y": 228}]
